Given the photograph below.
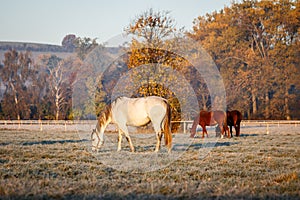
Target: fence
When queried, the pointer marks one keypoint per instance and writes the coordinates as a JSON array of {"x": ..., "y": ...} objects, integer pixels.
[
  {"x": 65, "y": 125},
  {"x": 68, "y": 125}
]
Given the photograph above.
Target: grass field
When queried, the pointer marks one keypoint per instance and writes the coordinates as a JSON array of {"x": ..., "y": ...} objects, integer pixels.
[{"x": 58, "y": 164}]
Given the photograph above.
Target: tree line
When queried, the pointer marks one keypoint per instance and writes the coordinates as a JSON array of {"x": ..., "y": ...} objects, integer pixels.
[
  {"x": 256, "y": 47},
  {"x": 41, "y": 88},
  {"x": 254, "y": 44}
]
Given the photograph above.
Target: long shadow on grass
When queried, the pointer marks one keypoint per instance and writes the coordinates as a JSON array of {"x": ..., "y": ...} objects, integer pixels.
[
  {"x": 196, "y": 146},
  {"x": 248, "y": 135},
  {"x": 47, "y": 142},
  {"x": 4, "y": 143},
  {"x": 212, "y": 144}
]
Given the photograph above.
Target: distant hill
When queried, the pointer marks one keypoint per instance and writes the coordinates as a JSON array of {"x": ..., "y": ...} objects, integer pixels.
[
  {"x": 36, "y": 49},
  {"x": 22, "y": 46}
]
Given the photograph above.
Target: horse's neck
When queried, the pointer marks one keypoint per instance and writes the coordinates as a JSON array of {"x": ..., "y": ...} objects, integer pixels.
[
  {"x": 101, "y": 125},
  {"x": 104, "y": 119},
  {"x": 98, "y": 127}
]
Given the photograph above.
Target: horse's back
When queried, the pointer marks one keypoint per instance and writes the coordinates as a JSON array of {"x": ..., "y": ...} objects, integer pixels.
[
  {"x": 234, "y": 116},
  {"x": 131, "y": 111},
  {"x": 205, "y": 118},
  {"x": 219, "y": 116},
  {"x": 138, "y": 111},
  {"x": 238, "y": 115},
  {"x": 211, "y": 118},
  {"x": 204, "y": 113},
  {"x": 155, "y": 100},
  {"x": 146, "y": 103}
]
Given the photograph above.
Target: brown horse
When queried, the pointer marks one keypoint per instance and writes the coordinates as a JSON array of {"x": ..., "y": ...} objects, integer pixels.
[
  {"x": 234, "y": 119},
  {"x": 213, "y": 118}
]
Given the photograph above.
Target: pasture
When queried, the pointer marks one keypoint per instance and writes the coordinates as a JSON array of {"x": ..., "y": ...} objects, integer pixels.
[{"x": 54, "y": 163}]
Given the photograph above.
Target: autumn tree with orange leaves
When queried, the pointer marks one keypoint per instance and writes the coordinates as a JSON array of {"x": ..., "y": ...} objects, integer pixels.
[{"x": 256, "y": 46}]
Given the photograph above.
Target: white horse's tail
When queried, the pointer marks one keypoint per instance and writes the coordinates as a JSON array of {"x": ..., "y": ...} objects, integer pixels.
[{"x": 167, "y": 128}]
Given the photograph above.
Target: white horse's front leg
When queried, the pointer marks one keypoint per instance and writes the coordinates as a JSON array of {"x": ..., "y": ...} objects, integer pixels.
[
  {"x": 119, "y": 140},
  {"x": 130, "y": 142},
  {"x": 124, "y": 129}
]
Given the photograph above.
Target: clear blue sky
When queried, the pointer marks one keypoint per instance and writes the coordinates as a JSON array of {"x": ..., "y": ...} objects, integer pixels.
[{"x": 48, "y": 21}]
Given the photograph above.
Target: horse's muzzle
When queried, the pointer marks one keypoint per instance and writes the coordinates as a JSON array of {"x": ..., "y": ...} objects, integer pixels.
[{"x": 96, "y": 148}]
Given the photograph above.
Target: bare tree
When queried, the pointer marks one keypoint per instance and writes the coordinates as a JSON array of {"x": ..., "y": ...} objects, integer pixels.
[
  {"x": 152, "y": 26},
  {"x": 58, "y": 88},
  {"x": 59, "y": 82}
]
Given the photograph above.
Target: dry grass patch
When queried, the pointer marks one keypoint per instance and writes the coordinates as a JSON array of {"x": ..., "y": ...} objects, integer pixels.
[{"x": 45, "y": 165}]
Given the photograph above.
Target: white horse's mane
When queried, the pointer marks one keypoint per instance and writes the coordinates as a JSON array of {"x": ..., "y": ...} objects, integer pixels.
[{"x": 104, "y": 115}]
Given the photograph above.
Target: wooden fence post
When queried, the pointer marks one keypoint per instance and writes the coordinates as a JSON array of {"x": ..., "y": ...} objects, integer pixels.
[{"x": 41, "y": 125}]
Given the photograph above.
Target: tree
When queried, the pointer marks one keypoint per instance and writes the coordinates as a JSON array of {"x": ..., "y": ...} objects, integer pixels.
[
  {"x": 249, "y": 41},
  {"x": 60, "y": 81},
  {"x": 151, "y": 58},
  {"x": 18, "y": 78},
  {"x": 285, "y": 53},
  {"x": 69, "y": 42},
  {"x": 152, "y": 26},
  {"x": 83, "y": 46}
]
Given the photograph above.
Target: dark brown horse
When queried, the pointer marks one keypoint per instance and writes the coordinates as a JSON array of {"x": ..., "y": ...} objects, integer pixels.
[
  {"x": 234, "y": 119},
  {"x": 213, "y": 118}
]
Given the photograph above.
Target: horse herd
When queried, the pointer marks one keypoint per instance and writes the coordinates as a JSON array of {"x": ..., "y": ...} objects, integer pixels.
[
  {"x": 222, "y": 119},
  {"x": 125, "y": 111}
]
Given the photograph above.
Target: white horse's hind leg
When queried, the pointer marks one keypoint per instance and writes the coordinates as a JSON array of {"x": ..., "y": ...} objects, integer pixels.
[
  {"x": 157, "y": 116},
  {"x": 159, "y": 133},
  {"x": 130, "y": 142},
  {"x": 158, "y": 138}
]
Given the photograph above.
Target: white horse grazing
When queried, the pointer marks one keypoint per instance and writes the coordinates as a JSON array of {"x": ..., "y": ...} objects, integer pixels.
[{"x": 135, "y": 112}]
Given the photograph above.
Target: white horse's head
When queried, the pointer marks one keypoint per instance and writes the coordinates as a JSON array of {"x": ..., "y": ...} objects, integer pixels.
[{"x": 97, "y": 142}]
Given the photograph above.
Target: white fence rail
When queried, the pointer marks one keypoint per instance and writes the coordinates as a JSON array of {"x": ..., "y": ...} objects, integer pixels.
[{"x": 69, "y": 125}]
